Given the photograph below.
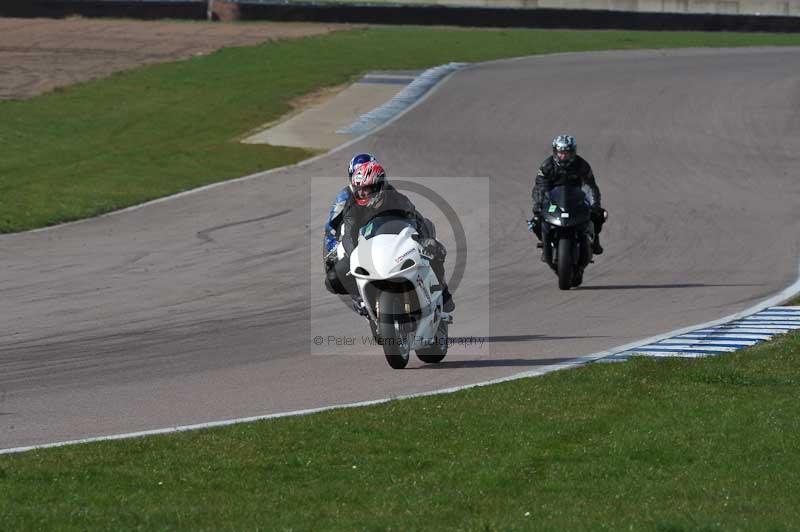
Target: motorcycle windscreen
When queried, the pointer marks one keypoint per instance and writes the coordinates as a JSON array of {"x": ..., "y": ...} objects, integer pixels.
[
  {"x": 385, "y": 225},
  {"x": 572, "y": 200}
]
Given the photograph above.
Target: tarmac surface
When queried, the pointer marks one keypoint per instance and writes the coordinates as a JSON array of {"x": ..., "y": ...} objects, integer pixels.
[{"x": 205, "y": 307}]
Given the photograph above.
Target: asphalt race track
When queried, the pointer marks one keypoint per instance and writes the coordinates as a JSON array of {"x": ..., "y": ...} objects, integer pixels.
[{"x": 203, "y": 307}]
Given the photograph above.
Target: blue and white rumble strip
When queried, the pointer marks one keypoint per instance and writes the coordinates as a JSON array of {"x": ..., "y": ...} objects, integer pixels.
[
  {"x": 720, "y": 339},
  {"x": 402, "y": 100}
]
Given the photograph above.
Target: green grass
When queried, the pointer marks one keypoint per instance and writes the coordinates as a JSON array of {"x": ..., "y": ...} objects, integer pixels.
[
  {"x": 662, "y": 445},
  {"x": 103, "y": 145}
]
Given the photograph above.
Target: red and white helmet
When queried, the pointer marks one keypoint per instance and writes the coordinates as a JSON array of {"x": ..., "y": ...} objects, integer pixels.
[{"x": 368, "y": 183}]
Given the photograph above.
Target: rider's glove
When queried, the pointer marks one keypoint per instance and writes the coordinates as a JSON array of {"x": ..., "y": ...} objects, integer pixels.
[
  {"x": 599, "y": 214},
  {"x": 330, "y": 259},
  {"x": 429, "y": 247}
]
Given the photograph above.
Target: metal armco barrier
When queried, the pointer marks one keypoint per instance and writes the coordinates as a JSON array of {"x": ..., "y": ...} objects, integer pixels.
[
  {"x": 408, "y": 14},
  {"x": 141, "y": 9}
]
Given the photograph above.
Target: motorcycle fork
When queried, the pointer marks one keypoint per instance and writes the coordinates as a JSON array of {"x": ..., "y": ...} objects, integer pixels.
[{"x": 563, "y": 234}]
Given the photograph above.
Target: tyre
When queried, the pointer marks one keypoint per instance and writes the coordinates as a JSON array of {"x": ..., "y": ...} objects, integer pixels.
[
  {"x": 565, "y": 264},
  {"x": 396, "y": 344},
  {"x": 577, "y": 279},
  {"x": 586, "y": 251},
  {"x": 435, "y": 353}
]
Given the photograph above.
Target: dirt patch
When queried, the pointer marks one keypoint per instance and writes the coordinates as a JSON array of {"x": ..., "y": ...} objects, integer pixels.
[{"x": 38, "y": 55}]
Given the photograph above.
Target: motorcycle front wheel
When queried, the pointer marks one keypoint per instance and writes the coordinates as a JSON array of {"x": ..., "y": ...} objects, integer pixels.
[
  {"x": 395, "y": 342},
  {"x": 565, "y": 264}
]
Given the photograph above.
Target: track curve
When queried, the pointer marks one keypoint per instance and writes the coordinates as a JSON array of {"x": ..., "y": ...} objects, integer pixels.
[{"x": 196, "y": 308}]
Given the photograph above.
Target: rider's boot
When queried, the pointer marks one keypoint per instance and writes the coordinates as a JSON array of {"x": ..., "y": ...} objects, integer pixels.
[
  {"x": 447, "y": 300},
  {"x": 597, "y": 249},
  {"x": 359, "y": 307}
]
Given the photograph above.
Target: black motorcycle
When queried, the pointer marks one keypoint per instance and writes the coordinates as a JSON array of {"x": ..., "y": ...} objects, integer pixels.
[{"x": 567, "y": 234}]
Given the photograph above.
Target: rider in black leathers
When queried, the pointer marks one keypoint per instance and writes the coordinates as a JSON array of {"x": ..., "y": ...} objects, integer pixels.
[
  {"x": 566, "y": 167},
  {"x": 371, "y": 196}
]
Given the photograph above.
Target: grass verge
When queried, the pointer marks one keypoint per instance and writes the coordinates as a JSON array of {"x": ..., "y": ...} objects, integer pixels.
[
  {"x": 100, "y": 146},
  {"x": 666, "y": 445}
]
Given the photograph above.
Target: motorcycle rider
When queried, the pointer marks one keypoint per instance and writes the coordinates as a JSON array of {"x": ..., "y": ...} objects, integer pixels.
[
  {"x": 566, "y": 167},
  {"x": 370, "y": 195},
  {"x": 337, "y": 207}
]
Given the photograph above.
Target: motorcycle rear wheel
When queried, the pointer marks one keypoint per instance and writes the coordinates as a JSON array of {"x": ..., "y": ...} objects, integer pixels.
[
  {"x": 435, "y": 353},
  {"x": 577, "y": 279}
]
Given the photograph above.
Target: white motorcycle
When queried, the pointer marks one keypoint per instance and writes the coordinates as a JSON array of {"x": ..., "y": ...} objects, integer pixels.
[{"x": 401, "y": 296}]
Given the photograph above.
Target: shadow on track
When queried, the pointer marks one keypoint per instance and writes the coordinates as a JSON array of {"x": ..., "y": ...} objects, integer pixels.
[
  {"x": 656, "y": 286},
  {"x": 503, "y": 362},
  {"x": 513, "y": 338},
  {"x": 497, "y": 363}
]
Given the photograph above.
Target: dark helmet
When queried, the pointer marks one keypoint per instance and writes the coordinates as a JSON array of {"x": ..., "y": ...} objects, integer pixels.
[
  {"x": 564, "y": 149},
  {"x": 359, "y": 159}
]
